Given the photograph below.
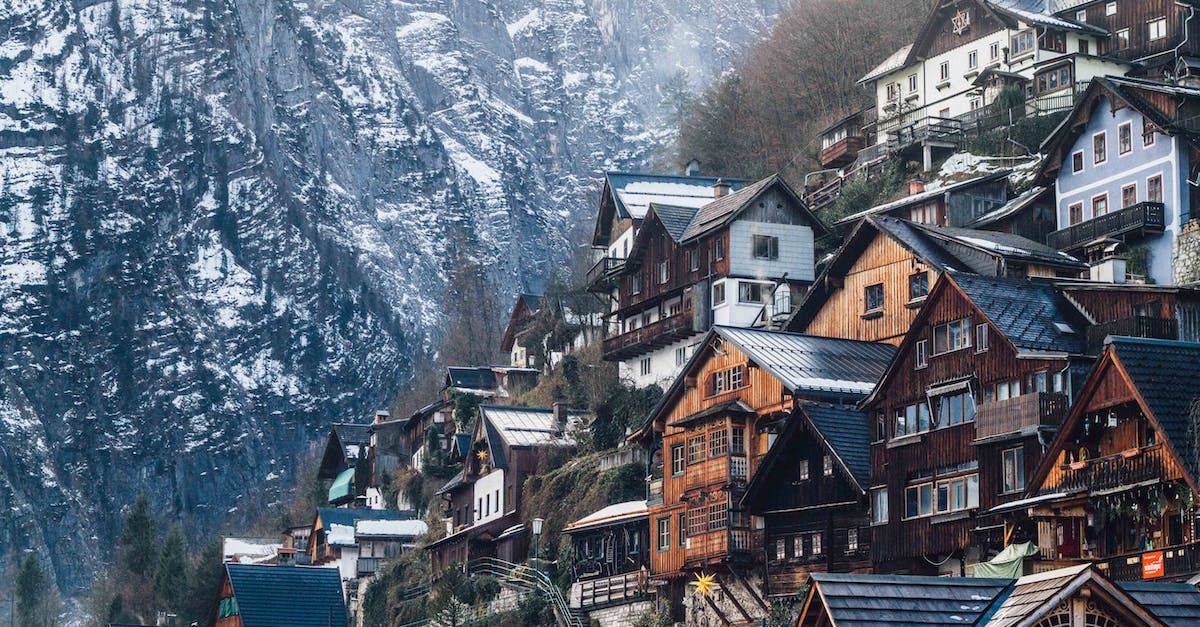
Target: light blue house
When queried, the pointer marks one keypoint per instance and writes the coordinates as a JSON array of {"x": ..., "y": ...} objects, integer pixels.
[{"x": 1120, "y": 165}]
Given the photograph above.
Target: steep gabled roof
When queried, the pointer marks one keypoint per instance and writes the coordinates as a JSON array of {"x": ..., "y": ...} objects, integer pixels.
[
  {"x": 675, "y": 220},
  {"x": 841, "y": 429},
  {"x": 724, "y": 209},
  {"x": 627, "y": 195},
  {"x": 1042, "y": 13},
  {"x": 337, "y": 455},
  {"x": 1013, "y": 206},
  {"x": 1031, "y": 314},
  {"x": 999, "y": 244},
  {"x": 893, "y": 62},
  {"x": 526, "y": 306},
  {"x": 523, "y": 427},
  {"x": 872, "y": 600},
  {"x": 1164, "y": 373},
  {"x": 1034, "y": 596},
  {"x": 298, "y": 596}
]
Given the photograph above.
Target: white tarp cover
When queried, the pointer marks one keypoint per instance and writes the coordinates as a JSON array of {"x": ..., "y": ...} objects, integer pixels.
[{"x": 1009, "y": 563}]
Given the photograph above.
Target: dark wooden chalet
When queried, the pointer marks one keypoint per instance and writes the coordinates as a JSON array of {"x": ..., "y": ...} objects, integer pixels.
[
  {"x": 811, "y": 492},
  {"x": 880, "y": 277},
  {"x": 1118, "y": 485},
  {"x": 1068, "y": 597},
  {"x": 508, "y": 446},
  {"x": 1031, "y": 214},
  {"x": 691, "y": 267},
  {"x": 491, "y": 382},
  {"x": 611, "y": 549},
  {"x": 429, "y": 427},
  {"x": 521, "y": 320},
  {"x": 842, "y": 140},
  {"x": 960, "y": 417},
  {"x": 707, "y": 438},
  {"x": 1159, "y": 35},
  {"x": 345, "y": 462}
]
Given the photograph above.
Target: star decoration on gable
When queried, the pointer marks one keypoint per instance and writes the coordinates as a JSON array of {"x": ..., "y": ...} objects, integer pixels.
[
  {"x": 482, "y": 455},
  {"x": 961, "y": 21},
  {"x": 705, "y": 583}
]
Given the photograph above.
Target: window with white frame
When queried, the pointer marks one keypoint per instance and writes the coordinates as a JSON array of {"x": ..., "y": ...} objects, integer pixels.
[
  {"x": 912, "y": 83},
  {"x": 951, "y": 336},
  {"x": 814, "y": 541},
  {"x": 780, "y": 549},
  {"x": 1099, "y": 148},
  {"x": 994, "y": 51},
  {"x": 635, "y": 284},
  {"x": 981, "y": 338},
  {"x": 802, "y": 470},
  {"x": 1147, "y": 132},
  {"x": 879, "y": 505},
  {"x": 766, "y": 247},
  {"x": 921, "y": 353},
  {"x": 680, "y": 355},
  {"x": 1013, "y": 462},
  {"x": 852, "y": 540},
  {"x": 749, "y": 292},
  {"x": 893, "y": 92},
  {"x": 1022, "y": 43},
  {"x": 1121, "y": 39},
  {"x": 1125, "y": 138},
  {"x": 694, "y": 259},
  {"x": 1099, "y": 205},
  {"x": 1110, "y": 8},
  {"x": 645, "y": 366},
  {"x": 726, "y": 380},
  {"x": 827, "y": 466},
  {"x": 1081, "y": 16},
  {"x": 798, "y": 547},
  {"x": 944, "y": 71},
  {"x": 912, "y": 419},
  {"x": 972, "y": 59},
  {"x": 718, "y": 294},
  {"x": 664, "y": 272},
  {"x": 1156, "y": 29},
  {"x": 956, "y": 409},
  {"x": 718, "y": 443}
]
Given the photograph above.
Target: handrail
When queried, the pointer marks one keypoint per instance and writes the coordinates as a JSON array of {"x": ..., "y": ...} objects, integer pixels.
[{"x": 534, "y": 578}]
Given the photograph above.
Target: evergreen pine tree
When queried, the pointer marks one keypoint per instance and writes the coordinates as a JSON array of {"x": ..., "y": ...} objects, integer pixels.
[
  {"x": 203, "y": 586},
  {"x": 138, "y": 540},
  {"x": 171, "y": 575},
  {"x": 676, "y": 98},
  {"x": 31, "y": 593}
]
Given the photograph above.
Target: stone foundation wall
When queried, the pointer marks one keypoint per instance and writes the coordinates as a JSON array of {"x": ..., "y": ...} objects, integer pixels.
[
  {"x": 1186, "y": 255},
  {"x": 699, "y": 613},
  {"x": 620, "y": 615}
]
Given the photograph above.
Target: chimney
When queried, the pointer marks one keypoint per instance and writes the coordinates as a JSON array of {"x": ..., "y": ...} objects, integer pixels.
[
  {"x": 692, "y": 168},
  {"x": 382, "y": 416},
  {"x": 916, "y": 185},
  {"x": 559, "y": 427},
  {"x": 1106, "y": 262},
  {"x": 720, "y": 188}
]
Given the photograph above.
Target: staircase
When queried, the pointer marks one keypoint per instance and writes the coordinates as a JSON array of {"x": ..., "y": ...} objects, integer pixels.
[{"x": 529, "y": 581}]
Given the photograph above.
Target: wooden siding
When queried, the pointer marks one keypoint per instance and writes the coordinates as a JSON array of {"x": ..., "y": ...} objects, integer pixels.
[
  {"x": 710, "y": 474},
  {"x": 983, "y": 23},
  {"x": 945, "y": 446},
  {"x": 1109, "y": 305},
  {"x": 659, "y": 247},
  {"x": 884, "y": 261},
  {"x": 1134, "y": 14},
  {"x": 789, "y": 575},
  {"x": 225, "y": 593}
]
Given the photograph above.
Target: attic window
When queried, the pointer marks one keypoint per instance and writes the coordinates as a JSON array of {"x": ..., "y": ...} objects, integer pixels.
[{"x": 1064, "y": 328}]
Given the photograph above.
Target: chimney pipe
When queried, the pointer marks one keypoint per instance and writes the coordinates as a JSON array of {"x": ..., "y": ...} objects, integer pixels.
[
  {"x": 916, "y": 186},
  {"x": 560, "y": 419},
  {"x": 720, "y": 188},
  {"x": 382, "y": 416},
  {"x": 692, "y": 168}
]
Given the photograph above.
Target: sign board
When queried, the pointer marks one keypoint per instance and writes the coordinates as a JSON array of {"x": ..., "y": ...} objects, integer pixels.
[{"x": 1153, "y": 565}]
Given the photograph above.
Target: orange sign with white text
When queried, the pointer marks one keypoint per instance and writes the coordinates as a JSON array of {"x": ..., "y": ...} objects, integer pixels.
[{"x": 1152, "y": 565}]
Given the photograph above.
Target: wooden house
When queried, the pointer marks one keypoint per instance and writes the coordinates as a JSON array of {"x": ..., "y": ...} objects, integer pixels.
[
  {"x": 707, "y": 438},
  {"x": 960, "y": 418},
  {"x": 430, "y": 427},
  {"x": 1159, "y": 36},
  {"x": 1069, "y": 597},
  {"x": 332, "y": 541},
  {"x": 878, "y": 279},
  {"x": 689, "y": 268},
  {"x": 842, "y": 140},
  {"x": 491, "y": 382},
  {"x": 611, "y": 568},
  {"x": 811, "y": 492},
  {"x": 1118, "y": 485},
  {"x": 550, "y": 325},
  {"x": 952, "y": 204},
  {"x": 1030, "y": 214},
  {"x": 345, "y": 462},
  {"x": 482, "y": 503},
  {"x": 267, "y": 596}
]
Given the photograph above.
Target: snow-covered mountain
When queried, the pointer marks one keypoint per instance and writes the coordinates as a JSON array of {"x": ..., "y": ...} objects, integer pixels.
[{"x": 225, "y": 224}]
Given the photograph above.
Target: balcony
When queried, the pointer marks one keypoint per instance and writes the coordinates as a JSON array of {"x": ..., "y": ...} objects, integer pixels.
[
  {"x": 1144, "y": 217},
  {"x": 615, "y": 590},
  {"x": 1112, "y": 471},
  {"x": 715, "y": 546},
  {"x": 1133, "y": 326},
  {"x": 603, "y": 276},
  {"x": 649, "y": 337},
  {"x": 931, "y": 128},
  {"x": 724, "y": 470},
  {"x": 1178, "y": 561},
  {"x": 842, "y": 152},
  {"x": 1018, "y": 414}
]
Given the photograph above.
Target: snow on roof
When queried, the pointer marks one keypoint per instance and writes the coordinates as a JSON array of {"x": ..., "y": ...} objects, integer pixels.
[
  {"x": 637, "y": 196},
  {"x": 932, "y": 190},
  {"x": 390, "y": 528},
  {"x": 890, "y": 64},
  {"x": 530, "y": 426},
  {"x": 611, "y": 514},
  {"x": 340, "y": 535},
  {"x": 996, "y": 246},
  {"x": 244, "y": 548}
]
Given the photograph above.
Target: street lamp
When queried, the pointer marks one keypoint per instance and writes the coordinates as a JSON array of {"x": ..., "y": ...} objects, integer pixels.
[{"x": 536, "y": 525}]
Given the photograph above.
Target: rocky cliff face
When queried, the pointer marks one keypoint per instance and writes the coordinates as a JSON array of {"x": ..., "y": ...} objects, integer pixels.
[{"x": 225, "y": 224}]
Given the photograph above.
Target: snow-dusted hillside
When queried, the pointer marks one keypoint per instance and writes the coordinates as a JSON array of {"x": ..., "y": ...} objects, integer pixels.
[{"x": 225, "y": 224}]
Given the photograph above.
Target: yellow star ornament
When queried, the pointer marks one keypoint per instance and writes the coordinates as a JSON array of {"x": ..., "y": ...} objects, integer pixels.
[
  {"x": 482, "y": 455},
  {"x": 704, "y": 584}
]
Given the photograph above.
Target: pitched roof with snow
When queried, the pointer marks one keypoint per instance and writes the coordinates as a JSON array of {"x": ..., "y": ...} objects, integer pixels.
[
  {"x": 523, "y": 427},
  {"x": 930, "y": 192},
  {"x": 632, "y": 192},
  {"x": 611, "y": 515},
  {"x": 389, "y": 528},
  {"x": 894, "y": 62},
  {"x": 297, "y": 596}
]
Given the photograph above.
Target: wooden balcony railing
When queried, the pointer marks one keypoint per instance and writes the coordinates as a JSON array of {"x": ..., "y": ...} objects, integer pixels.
[
  {"x": 1111, "y": 471},
  {"x": 1133, "y": 326},
  {"x": 1144, "y": 217},
  {"x": 1178, "y": 560},
  {"x": 651, "y": 336},
  {"x": 721, "y": 470},
  {"x": 715, "y": 546},
  {"x": 842, "y": 152},
  {"x": 1020, "y": 412},
  {"x": 602, "y": 276},
  {"x": 927, "y": 128},
  {"x": 609, "y": 590}
]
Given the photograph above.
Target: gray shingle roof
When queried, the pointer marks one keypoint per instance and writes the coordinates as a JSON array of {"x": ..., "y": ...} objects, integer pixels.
[
  {"x": 812, "y": 366},
  {"x": 915, "y": 239},
  {"x": 872, "y": 600},
  {"x": 1176, "y": 604},
  {"x": 715, "y": 212},
  {"x": 1007, "y": 245},
  {"x": 931, "y": 192},
  {"x": 1029, "y": 313},
  {"x": 523, "y": 426},
  {"x": 634, "y": 191},
  {"x": 273, "y": 596},
  {"x": 352, "y": 434},
  {"x": 1164, "y": 372},
  {"x": 674, "y": 219},
  {"x": 847, "y": 431}
]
